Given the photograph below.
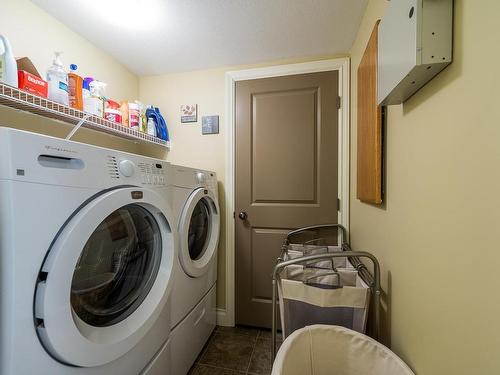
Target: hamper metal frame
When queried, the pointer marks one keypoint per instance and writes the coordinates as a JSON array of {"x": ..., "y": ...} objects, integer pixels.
[{"x": 354, "y": 259}]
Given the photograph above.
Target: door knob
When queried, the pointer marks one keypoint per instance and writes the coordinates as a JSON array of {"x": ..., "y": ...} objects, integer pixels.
[{"x": 243, "y": 215}]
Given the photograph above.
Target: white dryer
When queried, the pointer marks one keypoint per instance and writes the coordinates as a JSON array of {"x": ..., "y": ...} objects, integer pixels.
[
  {"x": 87, "y": 252},
  {"x": 196, "y": 206}
]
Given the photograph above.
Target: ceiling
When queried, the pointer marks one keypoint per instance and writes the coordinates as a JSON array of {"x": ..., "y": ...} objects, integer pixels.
[{"x": 161, "y": 36}]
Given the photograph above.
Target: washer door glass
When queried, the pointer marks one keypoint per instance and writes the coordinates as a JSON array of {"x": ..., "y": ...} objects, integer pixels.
[
  {"x": 199, "y": 229},
  {"x": 117, "y": 267}
]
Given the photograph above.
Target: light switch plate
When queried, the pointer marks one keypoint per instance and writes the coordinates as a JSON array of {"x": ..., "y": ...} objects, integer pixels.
[{"x": 210, "y": 125}]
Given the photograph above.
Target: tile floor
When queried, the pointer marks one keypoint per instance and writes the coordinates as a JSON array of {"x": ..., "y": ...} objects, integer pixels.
[{"x": 235, "y": 351}]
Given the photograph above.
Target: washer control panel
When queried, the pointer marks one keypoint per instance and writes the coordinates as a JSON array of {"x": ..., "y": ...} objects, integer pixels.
[{"x": 153, "y": 174}]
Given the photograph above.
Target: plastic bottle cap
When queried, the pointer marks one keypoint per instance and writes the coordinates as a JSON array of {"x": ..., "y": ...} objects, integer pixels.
[
  {"x": 73, "y": 67},
  {"x": 86, "y": 82}
]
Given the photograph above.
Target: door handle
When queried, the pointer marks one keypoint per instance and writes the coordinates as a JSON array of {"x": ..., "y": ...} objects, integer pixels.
[{"x": 243, "y": 215}]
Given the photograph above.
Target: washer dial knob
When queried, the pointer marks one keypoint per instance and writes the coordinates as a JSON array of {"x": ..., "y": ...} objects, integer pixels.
[{"x": 126, "y": 168}]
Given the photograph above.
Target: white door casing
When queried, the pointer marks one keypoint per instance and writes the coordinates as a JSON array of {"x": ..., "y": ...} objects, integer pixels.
[{"x": 226, "y": 316}]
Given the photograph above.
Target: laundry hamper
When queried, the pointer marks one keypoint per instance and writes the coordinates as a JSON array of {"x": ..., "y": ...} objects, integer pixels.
[
  {"x": 323, "y": 284},
  {"x": 320, "y": 291},
  {"x": 321, "y": 295},
  {"x": 334, "y": 350}
]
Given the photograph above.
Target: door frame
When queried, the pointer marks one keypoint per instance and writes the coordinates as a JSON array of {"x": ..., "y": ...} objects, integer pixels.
[{"x": 226, "y": 317}]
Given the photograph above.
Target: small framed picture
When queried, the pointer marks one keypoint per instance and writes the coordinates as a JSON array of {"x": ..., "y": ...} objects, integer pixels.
[{"x": 189, "y": 113}]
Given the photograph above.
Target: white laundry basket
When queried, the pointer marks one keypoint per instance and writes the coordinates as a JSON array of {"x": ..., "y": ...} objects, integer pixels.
[{"x": 334, "y": 350}]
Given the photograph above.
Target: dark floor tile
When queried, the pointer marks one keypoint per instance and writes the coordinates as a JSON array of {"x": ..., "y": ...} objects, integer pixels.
[
  {"x": 261, "y": 360},
  {"x": 238, "y": 331},
  {"x": 204, "y": 349},
  {"x": 265, "y": 340},
  {"x": 229, "y": 350},
  {"x": 267, "y": 334},
  {"x": 210, "y": 370}
]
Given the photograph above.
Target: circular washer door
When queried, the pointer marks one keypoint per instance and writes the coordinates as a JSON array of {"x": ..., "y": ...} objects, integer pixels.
[
  {"x": 106, "y": 277},
  {"x": 199, "y": 228}
]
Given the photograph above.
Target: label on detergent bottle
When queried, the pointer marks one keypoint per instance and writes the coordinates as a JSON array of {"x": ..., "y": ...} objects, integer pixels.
[
  {"x": 134, "y": 118},
  {"x": 63, "y": 86}
]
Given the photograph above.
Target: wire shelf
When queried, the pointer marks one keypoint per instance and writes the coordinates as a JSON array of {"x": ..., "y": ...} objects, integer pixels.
[{"x": 15, "y": 98}]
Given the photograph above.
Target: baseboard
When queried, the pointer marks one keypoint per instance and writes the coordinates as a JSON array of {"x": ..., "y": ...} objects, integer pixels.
[{"x": 223, "y": 318}]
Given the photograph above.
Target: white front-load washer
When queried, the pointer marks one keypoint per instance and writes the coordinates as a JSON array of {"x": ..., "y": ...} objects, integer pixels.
[
  {"x": 87, "y": 251},
  {"x": 195, "y": 202}
]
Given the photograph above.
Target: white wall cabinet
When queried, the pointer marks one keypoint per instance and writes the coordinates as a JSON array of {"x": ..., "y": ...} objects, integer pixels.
[{"x": 414, "y": 44}]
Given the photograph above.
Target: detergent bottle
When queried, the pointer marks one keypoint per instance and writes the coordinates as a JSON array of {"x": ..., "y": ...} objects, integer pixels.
[
  {"x": 58, "y": 81},
  {"x": 75, "y": 85},
  {"x": 8, "y": 65}
]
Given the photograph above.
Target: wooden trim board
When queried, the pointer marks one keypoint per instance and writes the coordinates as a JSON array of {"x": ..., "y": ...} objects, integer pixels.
[{"x": 369, "y": 129}]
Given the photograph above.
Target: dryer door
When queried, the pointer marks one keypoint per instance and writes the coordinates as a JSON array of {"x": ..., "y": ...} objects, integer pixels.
[
  {"x": 106, "y": 277},
  {"x": 199, "y": 228}
]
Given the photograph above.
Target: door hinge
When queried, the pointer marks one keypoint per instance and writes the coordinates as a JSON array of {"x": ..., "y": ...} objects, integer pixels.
[
  {"x": 338, "y": 204},
  {"x": 339, "y": 102},
  {"x": 234, "y": 215}
]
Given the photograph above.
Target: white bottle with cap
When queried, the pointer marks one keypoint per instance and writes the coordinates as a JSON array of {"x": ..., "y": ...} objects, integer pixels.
[
  {"x": 151, "y": 127},
  {"x": 8, "y": 65},
  {"x": 58, "y": 81}
]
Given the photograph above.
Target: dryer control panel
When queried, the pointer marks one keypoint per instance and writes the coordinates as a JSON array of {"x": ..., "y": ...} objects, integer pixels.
[
  {"x": 153, "y": 174},
  {"x": 191, "y": 178},
  {"x": 205, "y": 178}
]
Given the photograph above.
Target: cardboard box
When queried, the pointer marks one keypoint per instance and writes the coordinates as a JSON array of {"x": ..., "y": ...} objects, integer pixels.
[
  {"x": 32, "y": 84},
  {"x": 29, "y": 78},
  {"x": 24, "y": 63}
]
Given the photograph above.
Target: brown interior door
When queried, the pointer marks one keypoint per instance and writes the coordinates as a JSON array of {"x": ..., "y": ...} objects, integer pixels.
[{"x": 285, "y": 175}]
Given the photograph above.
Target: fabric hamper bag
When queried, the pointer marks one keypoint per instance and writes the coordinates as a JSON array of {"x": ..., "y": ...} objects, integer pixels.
[{"x": 325, "y": 292}]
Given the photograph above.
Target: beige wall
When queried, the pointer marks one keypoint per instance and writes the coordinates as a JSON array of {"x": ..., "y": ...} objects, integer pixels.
[
  {"x": 438, "y": 234},
  {"x": 34, "y": 33}
]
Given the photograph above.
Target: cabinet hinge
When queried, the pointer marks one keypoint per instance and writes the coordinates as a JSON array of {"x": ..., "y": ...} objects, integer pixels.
[
  {"x": 339, "y": 102},
  {"x": 338, "y": 204}
]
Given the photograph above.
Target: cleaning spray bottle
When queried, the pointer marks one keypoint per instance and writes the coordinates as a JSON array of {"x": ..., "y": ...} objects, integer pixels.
[
  {"x": 95, "y": 103},
  {"x": 8, "y": 66},
  {"x": 58, "y": 81},
  {"x": 87, "y": 103}
]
